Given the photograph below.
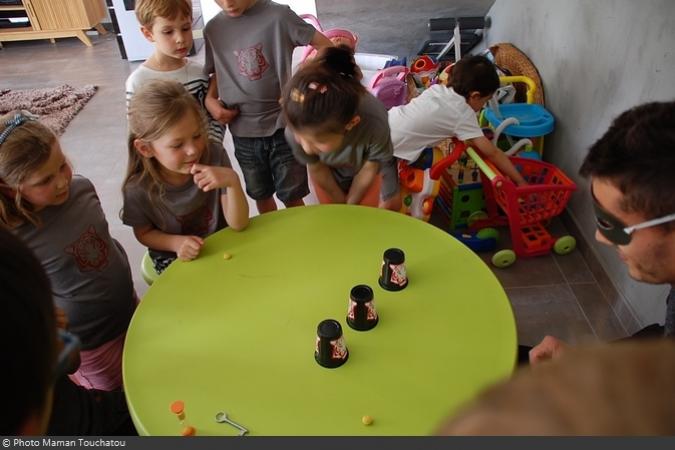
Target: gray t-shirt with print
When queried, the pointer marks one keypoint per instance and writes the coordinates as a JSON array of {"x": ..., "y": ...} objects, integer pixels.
[
  {"x": 88, "y": 270},
  {"x": 184, "y": 210},
  {"x": 369, "y": 140},
  {"x": 251, "y": 57}
]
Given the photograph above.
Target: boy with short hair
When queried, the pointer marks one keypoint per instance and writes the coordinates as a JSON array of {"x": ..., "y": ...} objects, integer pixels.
[
  {"x": 441, "y": 112},
  {"x": 249, "y": 47},
  {"x": 168, "y": 25}
]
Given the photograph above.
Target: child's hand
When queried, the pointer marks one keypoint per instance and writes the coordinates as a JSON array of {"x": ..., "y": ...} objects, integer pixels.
[
  {"x": 219, "y": 112},
  {"x": 189, "y": 247},
  {"x": 212, "y": 177}
]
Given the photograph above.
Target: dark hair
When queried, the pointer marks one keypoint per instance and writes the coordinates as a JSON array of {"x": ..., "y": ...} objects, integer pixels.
[
  {"x": 324, "y": 94},
  {"x": 474, "y": 74},
  {"x": 637, "y": 154},
  {"x": 27, "y": 336}
]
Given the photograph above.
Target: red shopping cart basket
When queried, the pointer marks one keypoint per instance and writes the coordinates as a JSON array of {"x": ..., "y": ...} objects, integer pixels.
[{"x": 525, "y": 209}]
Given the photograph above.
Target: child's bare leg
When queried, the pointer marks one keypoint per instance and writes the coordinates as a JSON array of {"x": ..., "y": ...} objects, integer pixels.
[
  {"x": 266, "y": 205},
  {"x": 292, "y": 203}
]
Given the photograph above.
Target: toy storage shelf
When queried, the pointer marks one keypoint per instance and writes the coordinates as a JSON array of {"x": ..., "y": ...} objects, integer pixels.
[{"x": 51, "y": 19}]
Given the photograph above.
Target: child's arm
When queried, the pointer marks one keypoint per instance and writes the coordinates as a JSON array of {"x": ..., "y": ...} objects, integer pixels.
[
  {"x": 235, "y": 206},
  {"x": 319, "y": 40},
  {"x": 323, "y": 177},
  {"x": 215, "y": 107},
  {"x": 362, "y": 181},
  {"x": 498, "y": 158},
  {"x": 186, "y": 247}
]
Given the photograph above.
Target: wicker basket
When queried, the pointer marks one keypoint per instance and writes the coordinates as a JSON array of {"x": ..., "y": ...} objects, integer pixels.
[{"x": 509, "y": 57}]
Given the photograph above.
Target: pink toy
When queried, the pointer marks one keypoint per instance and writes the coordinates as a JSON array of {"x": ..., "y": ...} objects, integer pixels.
[
  {"x": 389, "y": 86},
  {"x": 339, "y": 36}
]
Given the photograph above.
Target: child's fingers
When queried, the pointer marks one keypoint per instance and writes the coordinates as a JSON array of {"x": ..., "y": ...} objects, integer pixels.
[
  {"x": 199, "y": 241},
  {"x": 204, "y": 184},
  {"x": 197, "y": 168}
]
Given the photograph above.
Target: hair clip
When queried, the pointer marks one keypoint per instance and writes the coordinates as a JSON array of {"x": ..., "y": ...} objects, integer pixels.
[
  {"x": 346, "y": 75},
  {"x": 14, "y": 122},
  {"x": 297, "y": 96},
  {"x": 322, "y": 88}
]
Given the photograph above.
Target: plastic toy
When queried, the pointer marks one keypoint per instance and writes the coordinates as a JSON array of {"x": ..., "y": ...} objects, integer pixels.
[
  {"x": 484, "y": 240},
  {"x": 528, "y": 121},
  {"x": 527, "y": 209},
  {"x": 178, "y": 408},
  {"x": 389, "y": 86},
  {"x": 339, "y": 36},
  {"x": 420, "y": 181},
  {"x": 424, "y": 70}
]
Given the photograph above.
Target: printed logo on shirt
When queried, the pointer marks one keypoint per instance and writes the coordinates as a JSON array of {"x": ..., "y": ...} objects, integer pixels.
[
  {"x": 89, "y": 251},
  {"x": 196, "y": 223},
  {"x": 251, "y": 61}
]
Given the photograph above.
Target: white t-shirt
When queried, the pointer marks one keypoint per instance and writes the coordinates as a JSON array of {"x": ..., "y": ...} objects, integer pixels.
[
  {"x": 437, "y": 114},
  {"x": 191, "y": 75}
]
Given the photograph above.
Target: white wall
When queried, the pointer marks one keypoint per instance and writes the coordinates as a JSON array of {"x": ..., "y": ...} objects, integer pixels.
[{"x": 596, "y": 59}]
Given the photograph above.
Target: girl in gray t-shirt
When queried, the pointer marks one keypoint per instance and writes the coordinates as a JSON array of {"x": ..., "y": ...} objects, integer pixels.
[
  {"x": 176, "y": 191},
  {"x": 339, "y": 130},
  {"x": 60, "y": 218}
]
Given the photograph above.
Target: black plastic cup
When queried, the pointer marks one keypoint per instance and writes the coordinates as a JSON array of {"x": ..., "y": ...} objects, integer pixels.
[
  {"x": 393, "y": 276},
  {"x": 361, "y": 314},
  {"x": 330, "y": 350}
]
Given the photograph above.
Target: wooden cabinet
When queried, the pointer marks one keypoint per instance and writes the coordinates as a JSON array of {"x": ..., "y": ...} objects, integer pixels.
[{"x": 50, "y": 19}]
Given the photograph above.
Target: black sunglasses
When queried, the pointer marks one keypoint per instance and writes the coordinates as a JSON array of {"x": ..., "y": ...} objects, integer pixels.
[{"x": 614, "y": 230}]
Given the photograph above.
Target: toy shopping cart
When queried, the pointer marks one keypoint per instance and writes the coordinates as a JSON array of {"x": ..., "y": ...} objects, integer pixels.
[{"x": 526, "y": 209}]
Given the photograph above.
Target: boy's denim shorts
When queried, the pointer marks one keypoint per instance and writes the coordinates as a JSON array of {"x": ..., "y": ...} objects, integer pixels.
[{"x": 269, "y": 166}]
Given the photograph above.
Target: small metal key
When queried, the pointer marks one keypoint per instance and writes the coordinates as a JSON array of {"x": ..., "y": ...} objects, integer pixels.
[{"x": 221, "y": 417}]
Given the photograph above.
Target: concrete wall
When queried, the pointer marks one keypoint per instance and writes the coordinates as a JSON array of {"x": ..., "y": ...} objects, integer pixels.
[{"x": 596, "y": 59}]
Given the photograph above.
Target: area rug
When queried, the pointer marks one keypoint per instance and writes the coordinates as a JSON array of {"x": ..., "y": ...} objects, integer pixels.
[{"x": 56, "y": 106}]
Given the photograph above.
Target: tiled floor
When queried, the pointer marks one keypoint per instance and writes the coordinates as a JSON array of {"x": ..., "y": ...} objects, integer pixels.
[{"x": 550, "y": 294}]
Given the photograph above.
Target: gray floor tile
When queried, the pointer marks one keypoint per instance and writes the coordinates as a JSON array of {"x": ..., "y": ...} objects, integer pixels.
[
  {"x": 574, "y": 268},
  {"x": 602, "y": 318},
  {"x": 525, "y": 272},
  {"x": 544, "y": 310}
]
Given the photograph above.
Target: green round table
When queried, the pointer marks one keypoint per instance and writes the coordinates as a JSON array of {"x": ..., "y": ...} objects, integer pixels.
[{"x": 238, "y": 335}]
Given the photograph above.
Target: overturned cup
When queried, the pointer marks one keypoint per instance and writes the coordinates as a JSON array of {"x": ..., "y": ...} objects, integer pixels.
[
  {"x": 330, "y": 350},
  {"x": 361, "y": 314},
  {"x": 393, "y": 275}
]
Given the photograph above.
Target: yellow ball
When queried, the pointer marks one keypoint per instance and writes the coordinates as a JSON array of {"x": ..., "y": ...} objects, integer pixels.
[
  {"x": 367, "y": 420},
  {"x": 227, "y": 256}
]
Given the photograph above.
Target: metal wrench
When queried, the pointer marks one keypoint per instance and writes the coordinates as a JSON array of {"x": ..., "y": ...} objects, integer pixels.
[{"x": 221, "y": 417}]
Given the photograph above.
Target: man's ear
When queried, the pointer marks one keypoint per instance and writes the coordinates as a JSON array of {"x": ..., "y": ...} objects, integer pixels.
[
  {"x": 475, "y": 95},
  {"x": 143, "y": 147},
  {"x": 352, "y": 123},
  {"x": 147, "y": 33}
]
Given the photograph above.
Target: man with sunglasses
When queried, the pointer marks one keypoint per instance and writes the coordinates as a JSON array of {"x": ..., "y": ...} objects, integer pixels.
[{"x": 632, "y": 175}]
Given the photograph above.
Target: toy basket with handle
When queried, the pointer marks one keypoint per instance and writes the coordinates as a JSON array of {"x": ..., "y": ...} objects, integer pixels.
[{"x": 525, "y": 209}]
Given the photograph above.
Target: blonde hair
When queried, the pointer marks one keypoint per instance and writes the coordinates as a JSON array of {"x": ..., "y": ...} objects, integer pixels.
[
  {"x": 156, "y": 107},
  {"x": 148, "y": 10},
  {"x": 622, "y": 388},
  {"x": 25, "y": 149}
]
